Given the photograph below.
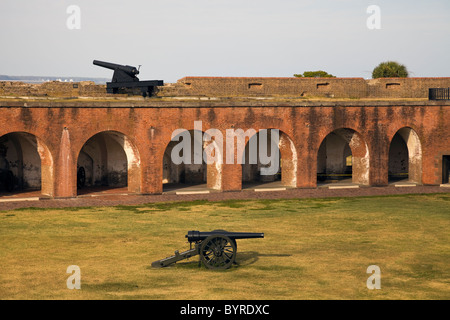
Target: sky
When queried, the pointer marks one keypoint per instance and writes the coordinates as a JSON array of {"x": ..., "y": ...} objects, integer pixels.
[{"x": 172, "y": 39}]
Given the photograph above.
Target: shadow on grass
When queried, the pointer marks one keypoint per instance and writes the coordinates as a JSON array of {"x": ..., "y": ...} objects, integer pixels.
[
  {"x": 242, "y": 259},
  {"x": 111, "y": 286},
  {"x": 250, "y": 257}
]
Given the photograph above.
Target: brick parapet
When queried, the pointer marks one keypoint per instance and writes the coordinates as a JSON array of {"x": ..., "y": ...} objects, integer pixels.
[{"x": 341, "y": 88}]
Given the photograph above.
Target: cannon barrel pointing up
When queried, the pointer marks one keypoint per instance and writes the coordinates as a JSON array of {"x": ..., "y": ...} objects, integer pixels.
[
  {"x": 194, "y": 236},
  {"x": 127, "y": 69},
  {"x": 125, "y": 80}
]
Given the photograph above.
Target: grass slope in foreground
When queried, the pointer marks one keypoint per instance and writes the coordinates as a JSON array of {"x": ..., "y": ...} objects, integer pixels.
[{"x": 313, "y": 249}]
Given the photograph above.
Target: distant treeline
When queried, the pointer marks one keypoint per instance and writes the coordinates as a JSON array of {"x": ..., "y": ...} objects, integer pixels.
[{"x": 40, "y": 79}]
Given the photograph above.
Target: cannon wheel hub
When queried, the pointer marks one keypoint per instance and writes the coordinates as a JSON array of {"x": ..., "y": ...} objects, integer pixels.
[{"x": 218, "y": 252}]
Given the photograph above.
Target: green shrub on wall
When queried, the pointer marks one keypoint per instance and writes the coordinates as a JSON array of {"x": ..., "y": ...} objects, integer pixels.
[
  {"x": 390, "y": 69},
  {"x": 314, "y": 74}
]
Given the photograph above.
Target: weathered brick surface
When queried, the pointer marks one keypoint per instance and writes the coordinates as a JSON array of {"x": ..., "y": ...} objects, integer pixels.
[
  {"x": 62, "y": 128},
  {"x": 351, "y": 88},
  {"x": 52, "y": 89}
]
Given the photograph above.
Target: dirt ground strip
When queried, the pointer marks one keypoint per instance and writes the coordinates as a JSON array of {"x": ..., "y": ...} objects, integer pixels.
[{"x": 114, "y": 199}]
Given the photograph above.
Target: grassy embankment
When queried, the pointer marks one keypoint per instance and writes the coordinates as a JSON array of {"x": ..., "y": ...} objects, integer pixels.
[{"x": 313, "y": 249}]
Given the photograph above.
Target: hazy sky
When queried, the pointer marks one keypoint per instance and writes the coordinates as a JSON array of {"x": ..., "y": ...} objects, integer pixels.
[{"x": 176, "y": 38}]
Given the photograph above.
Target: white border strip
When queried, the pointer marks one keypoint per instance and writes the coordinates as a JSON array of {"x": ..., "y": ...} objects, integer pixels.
[
  {"x": 19, "y": 199},
  {"x": 270, "y": 189},
  {"x": 343, "y": 187},
  {"x": 192, "y": 192}
]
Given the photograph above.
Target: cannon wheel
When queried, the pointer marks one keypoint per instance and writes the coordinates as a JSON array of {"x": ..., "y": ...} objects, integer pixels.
[
  {"x": 224, "y": 231},
  {"x": 81, "y": 178},
  {"x": 218, "y": 252}
]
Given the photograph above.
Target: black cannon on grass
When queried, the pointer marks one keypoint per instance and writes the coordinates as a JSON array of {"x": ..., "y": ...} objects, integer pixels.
[{"x": 217, "y": 249}]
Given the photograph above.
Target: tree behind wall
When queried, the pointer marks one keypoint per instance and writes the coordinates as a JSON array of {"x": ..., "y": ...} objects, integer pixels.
[
  {"x": 314, "y": 74},
  {"x": 390, "y": 69}
]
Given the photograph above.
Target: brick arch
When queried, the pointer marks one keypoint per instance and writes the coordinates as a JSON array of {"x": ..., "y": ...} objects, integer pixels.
[
  {"x": 105, "y": 142},
  {"x": 288, "y": 156},
  {"x": 414, "y": 148},
  {"x": 356, "y": 144},
  {"x": 210, "y": 170},
  {"x": 21, "y": 139}
]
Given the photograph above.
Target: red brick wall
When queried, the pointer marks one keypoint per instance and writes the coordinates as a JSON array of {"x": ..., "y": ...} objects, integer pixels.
[
  {"x": 63, "y": 128},
  {"x": 351, "y": 88},
  {"x": 52, "y": 89}
]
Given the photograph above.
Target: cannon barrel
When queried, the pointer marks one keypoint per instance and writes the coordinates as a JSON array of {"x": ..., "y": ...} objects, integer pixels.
[
  {"x": 127, "y": 69},
  {"x": 194, "y": 236}
]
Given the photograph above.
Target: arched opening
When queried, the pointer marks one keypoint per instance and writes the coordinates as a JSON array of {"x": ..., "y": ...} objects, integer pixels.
[
  {"x": 186, "y": 168},
  {"x": 107, "y": 161},
  {"x": 343, "y": 157},
  {"x": 405, "y": 157},
  {"x": 26, "y": 165},
  {"x": 269, "y": 161}
]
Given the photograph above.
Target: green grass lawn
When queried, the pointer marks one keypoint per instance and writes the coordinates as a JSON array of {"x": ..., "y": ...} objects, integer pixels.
[{"x": 313, "y": 249}]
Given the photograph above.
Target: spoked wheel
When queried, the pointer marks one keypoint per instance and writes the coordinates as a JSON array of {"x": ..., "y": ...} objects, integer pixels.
[
  {"x": 218, "y": 252},
  {"x": 224, "y": 231}
]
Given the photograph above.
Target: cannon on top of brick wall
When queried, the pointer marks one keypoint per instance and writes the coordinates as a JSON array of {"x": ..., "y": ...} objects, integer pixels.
[{"x": 126, "y": 77}]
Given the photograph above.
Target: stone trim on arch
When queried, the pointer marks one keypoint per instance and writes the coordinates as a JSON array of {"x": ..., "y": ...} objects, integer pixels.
[
  {"x": 289, "y": 158},
  {"x": 47, "y": 169}
]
